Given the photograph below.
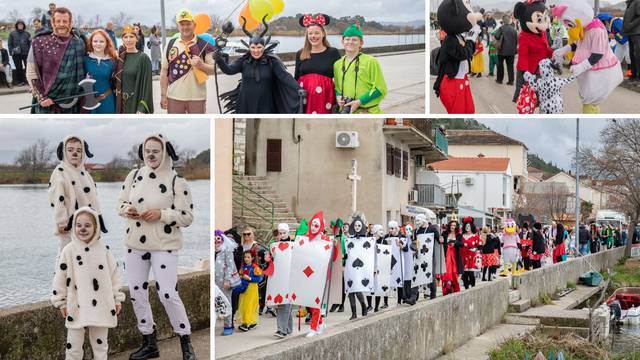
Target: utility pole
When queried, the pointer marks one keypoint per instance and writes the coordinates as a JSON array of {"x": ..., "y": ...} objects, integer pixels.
[
  {"x": 575, "y": 232},
  {"x": 163, "y": 25},
  {"x": 354, "y": 177}
]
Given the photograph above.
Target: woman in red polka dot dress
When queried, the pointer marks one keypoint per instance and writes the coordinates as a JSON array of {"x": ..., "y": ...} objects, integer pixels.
[{"x": 314, "y": 65}]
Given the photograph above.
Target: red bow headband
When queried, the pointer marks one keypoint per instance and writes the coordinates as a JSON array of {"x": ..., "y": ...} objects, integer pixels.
[
  {"x": 529, "y": 2},
  {"x": 307, "y": 20},
  {"x": 467, "y": 219}
]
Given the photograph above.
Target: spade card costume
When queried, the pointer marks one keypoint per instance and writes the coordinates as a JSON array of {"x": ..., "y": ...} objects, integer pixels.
[
  {"x": 87, "y": 284},
  {"x": 70, "y": 188},
  {"x": 456, "y": 52},
  {"x": 266, "y": 87},
  {"x": 155, "y": 245},
  {"x": 423, "y": 263},
  {"x": 359, "y": 266}
]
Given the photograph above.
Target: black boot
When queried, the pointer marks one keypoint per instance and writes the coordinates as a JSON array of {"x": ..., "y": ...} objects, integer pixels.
[
  {"x": 148, "y": 350},
  {"x": 353, "y": 310},
  {"x": 187, "y": 349}
]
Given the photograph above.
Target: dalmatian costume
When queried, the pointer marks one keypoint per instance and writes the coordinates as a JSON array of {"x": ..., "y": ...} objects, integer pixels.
[
  {"x": 87, "y": 284},
  {"x": 70, "y": 188},
  {"x": 155, "y": 245},
  {"x": 548, "y": 87}
]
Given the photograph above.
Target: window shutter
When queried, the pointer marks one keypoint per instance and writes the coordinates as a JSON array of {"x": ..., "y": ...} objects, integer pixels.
[
  {"x": 389, "y": 159},
  {"x": 405, "y": 165},
  {"x": 274, "y": 155},
  {"x": 397, "y": 161}
]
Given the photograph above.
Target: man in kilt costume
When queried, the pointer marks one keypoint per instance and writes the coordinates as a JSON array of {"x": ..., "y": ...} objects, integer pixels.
[{"x": 55, "y": 65}]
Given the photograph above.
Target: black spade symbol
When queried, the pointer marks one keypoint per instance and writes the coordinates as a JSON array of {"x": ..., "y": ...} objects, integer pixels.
[
  {"x": 357, "y": 263},
  {"x": 350, "y": 246},
  {"x": 366, "y": 245},
  {"x": 385, "y": 288},
  {"x": 393, "y": 261},
  {"x": 349, "y": 283},
  {"x": 386, "y": 252},
  {"x": 398, "y": 280},
  {"x": 365, "y": 282}
]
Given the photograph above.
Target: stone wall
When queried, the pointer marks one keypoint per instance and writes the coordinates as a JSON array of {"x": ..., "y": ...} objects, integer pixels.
[
  {"x": 547, "y": 279},
  {"x": 422, "y": 331},
  {"x": 36, "y": 331}
]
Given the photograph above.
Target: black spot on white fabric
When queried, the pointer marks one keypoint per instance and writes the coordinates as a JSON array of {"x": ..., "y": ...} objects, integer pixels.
[
  {"x": 138, "y": 224},
  {"x": 136, "y": 287},
  {"x": 166, "y": 296},
  {"x": 94, "y": 302},
  {"x": 163, "y": 188},
  {"x": 95, "y": 285},
  {"x": 52, "y": 205},
  {"x": 183, "y": 212},
  {"x": 169, "y": 251},
  {"x": 158, "y": 286},
  {"x": 128, "y": 230},
  {"x": 82, "y": 173},
  {"x": 167, "y": 229},
  {"x": 55, "y": 292},
  {"x": 107, "y": 246},
  {"x": 86, "y": 249},
  {"x": 191, "y": 206},
  {"x": 100, "y": 267},
  {"x": 61, "y": 169},
  {"x": 86, "y": 189},
  {"x": 182, "y": 326},
  {"x": 61, "y": 198},
  {"x": 78, "y": 257},
  {"x": 99, "y": 341},
  {"x": 113, "y": 312},
  {"x": 122, "y": 187},
  {"x": 186, "y": 192},
  {"x": 140, "y": 200},
  {"x": 143, "y": 321},
  {"x": 143, "y": 238},
  {"x": 173, "y": 207},
  {"x": 63, "y": 266},
  {"x": 145, "y": 285},
  {"x": 76, "y": 205},
  {"x": 80, "y": 263},
  {"x": 73, "y": 182},
  {"x": 69, "y": 318},
  {"x": 139, "y": 178},
  {"x": 129, "y": 251},
  {"x": 163, "y": 266},
  {"x": 152, "y": 175},
  {"x": 68, "y": 346},
  {"x": 68, "y": 281}
]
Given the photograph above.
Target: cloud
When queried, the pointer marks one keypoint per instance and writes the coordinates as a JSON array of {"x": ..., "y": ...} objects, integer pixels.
[
  {"x": 551, "y": 139},
  {"x": 148, "y": 12},
  {"x": 107, "y": 137}
]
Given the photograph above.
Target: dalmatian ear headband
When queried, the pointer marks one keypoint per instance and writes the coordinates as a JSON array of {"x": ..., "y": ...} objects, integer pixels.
[
  {"x": 60, "y": 150},
  {"x": 103, "y": 227},
  {"x": 170, "y": 150}
]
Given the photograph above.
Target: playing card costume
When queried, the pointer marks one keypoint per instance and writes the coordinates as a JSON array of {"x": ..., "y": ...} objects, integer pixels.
[
  {"x": 532, "y": 40},
  {"x": 155, "y": 245},
  {"x": 360, "y": 78},
  {"x": 470, "y": 252},
  {"x": 510, "y": 243},
  {"x": 133, "y": 80},
  {"x": 452, "y": 84},
  {"x": 279, "y": 280},
  {"x": 226, "y": 273},
  {"x": 55, "y": 66},
  {"x": 423, "y": 240},
  {"x": 382, "y": 273},
  {"x": 266, "y": 87},
  {"x": 359, "y": 267},
  {"x": 71, "y": 187},
  {"x": 397, "y": 275},
  {"x": 87, "y": 284},
  {"x": 597, "y": 68},
  {"x": 314, "y": 71}
]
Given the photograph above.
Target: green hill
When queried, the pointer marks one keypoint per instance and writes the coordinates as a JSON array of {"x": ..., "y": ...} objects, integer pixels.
[{"x": 539, "y": 163}]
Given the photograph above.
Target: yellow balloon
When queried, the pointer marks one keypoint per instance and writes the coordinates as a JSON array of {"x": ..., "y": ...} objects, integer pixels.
[
  {"x": 278, "y": 6},
  {"x": 260, "y": 8}
]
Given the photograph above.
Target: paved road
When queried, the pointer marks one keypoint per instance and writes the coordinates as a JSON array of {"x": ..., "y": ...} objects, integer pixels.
[
  {"x": 170, "y": 348},
  {"x": 404, "y": 73},
  {"x": 492, "y": 98}
]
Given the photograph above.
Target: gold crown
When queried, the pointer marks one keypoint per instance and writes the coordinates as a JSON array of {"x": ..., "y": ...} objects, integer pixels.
[{"x": 128, "y": 29}]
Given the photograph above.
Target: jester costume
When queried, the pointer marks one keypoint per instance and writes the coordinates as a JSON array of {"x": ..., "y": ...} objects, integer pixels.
[
  {"x": 266, "y": 87},
  {"x": 55, "y": 66},
  {"x": 360, "y": 78}
]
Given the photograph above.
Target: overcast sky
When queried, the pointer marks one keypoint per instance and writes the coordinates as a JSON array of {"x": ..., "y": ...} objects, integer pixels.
[
  {"x": 551, "y": 139},
  {"x": 149, "y": 11},
  {"x": 106, "y": 138}
]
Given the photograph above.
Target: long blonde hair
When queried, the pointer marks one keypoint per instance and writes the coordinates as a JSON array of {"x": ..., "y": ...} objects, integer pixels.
[{"x": 305, "y": 54}]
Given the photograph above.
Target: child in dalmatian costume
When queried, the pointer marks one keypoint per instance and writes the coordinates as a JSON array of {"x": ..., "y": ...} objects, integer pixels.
[
  {"x": 156, "y": 203},
  {"x": 596, "y": 67},
  {"x": 86, "y": 286},
  {"x": 71, "y": 186},
  {"x": 548, "y": 86}
]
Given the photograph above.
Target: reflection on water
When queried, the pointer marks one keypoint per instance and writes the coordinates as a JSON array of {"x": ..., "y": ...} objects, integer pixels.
[
  {"x": 628, "y": 340},
  {"x": 28, "y": 246}
]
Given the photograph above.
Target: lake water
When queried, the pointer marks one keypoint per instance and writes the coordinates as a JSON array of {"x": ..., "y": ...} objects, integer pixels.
[
  {"x": 295, "y": 43},
  {"x": 28, "y": 247}
]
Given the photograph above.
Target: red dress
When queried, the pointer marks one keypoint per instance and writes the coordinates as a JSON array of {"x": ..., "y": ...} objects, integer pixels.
[
  {"x": 450, "y": 282},
  {"x": 531, "y": 49},
  {"x": 471, "y": 256}
]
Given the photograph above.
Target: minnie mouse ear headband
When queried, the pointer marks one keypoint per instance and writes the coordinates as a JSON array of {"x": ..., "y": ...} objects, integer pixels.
[{"x": 307, "y": 20}]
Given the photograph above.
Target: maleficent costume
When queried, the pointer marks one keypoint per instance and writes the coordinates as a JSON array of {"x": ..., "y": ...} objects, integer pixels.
[{"x": 266, "y": 87}]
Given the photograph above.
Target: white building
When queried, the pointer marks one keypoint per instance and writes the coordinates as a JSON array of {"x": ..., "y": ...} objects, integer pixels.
[
  {"x": 588, "y": 191},
  {"x": 483, "y": 187}
]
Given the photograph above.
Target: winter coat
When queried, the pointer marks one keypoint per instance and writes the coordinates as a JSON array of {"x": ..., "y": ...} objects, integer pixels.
[
  {"x": 631, "y": 20},
  {"x": 87, "y": 282},
  {"x": 509, "y": 38},
  {"x": 19, "y": 41}
]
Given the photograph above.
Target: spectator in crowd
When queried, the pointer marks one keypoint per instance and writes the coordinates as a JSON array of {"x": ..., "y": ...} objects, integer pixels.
[
  {"x": 507, "y": 45},
  {"x": 5, "y": 67},
  {"x": 631, "y": 28},
  {"x": 45, "y": 21},
  {"x": 19, "y": 44}
]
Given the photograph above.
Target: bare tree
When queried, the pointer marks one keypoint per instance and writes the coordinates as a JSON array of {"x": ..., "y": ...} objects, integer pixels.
[
  {"x": 36, "y": 12},
  {"x": 133, "y": 156},
  {"x": 546, "y": 201},
  {"x": 13, "y": 16},
  {"x": 617, "y": 161},
  {"x": 35, "y": 157},
  {"x": 96, "y": 22},
  {"x": 120, "y": 19}
]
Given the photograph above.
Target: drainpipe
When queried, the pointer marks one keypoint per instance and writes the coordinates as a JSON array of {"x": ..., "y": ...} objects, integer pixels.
[{"x": 575, "y": 232}]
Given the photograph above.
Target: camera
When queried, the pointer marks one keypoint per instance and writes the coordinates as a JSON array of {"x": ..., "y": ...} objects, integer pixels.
[{"x": 346, "y": 109}]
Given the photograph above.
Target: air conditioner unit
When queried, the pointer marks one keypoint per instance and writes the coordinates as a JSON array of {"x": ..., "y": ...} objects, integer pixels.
[
  {"x": 347, "y": 139},
  {"x": 468, "y": 181},
  {"x": 413, "y": 196}
]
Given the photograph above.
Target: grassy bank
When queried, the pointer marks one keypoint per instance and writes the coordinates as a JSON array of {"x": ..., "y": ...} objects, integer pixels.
[
  {"x": 116, "y": 175},
  {"x": 626, "y": 273},
  {"x": 573, "y": 348}
]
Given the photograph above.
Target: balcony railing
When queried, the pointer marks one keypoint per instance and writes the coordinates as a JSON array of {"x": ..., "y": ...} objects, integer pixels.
[
  {"x": 441, "y": 141},
  {"x": 430, "y": 195}
]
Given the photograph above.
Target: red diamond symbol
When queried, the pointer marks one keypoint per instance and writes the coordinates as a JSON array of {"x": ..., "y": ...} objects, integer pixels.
[
  {"x": 301, "y": 242},
  {"x": 293, "y": 296},
  {"x": 317, "y": 301},
  {"x": 286, "y": 296},
  {"x": 327, "y": 247},
  {"x": 308, "y": 271}
]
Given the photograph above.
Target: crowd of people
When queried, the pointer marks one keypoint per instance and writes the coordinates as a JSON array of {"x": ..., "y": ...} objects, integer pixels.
[
  {"x": 60, "y": 55},
  {"x": 450, "y": 255},
  {"x": 595, "y": 47}
]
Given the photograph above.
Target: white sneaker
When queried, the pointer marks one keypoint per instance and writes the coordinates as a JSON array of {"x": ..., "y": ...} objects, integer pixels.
[
  {"x": 311, "y": 333},
  {"x": 321, "y": 328}
]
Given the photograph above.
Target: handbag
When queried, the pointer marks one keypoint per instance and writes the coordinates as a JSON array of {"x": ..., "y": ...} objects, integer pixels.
[{"x": 527, "y": 100}]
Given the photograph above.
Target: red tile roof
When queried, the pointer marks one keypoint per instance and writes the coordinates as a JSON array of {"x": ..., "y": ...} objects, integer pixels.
[{"x": 471, "y": 164}]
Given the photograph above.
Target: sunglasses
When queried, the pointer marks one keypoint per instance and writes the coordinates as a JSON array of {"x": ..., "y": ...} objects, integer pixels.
[{"x": 246, "y": 234}]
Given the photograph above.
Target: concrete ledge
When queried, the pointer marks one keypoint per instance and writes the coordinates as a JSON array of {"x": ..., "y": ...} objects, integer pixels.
[
  {"x": 519, "y": 306},
  {"x": 423, "y": 331},
  {"x": 36, "y": 331},
  {"x": 547, "y": 280}
]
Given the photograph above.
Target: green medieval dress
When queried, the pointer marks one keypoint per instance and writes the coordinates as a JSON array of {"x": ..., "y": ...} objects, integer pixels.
[{"x": 135, "y": 91}]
